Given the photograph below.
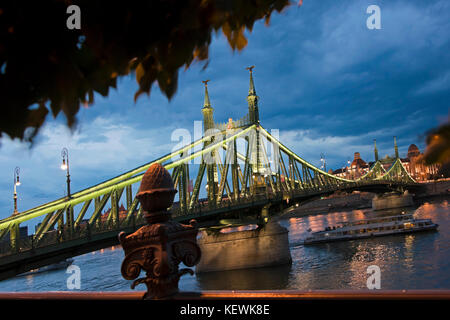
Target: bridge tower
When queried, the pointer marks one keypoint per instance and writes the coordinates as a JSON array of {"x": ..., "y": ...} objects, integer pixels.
[
  {"x": 207, "y": 110},
  {"x": 257, "y": 156},
  {"x": 252, "y": 100},
  {"x": 395, "y": 147},
  {"x": 211, "y": 168},
  {"x": 375, "y": 150}
]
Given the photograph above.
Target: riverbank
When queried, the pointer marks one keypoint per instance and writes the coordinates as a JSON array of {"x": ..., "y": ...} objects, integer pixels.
[
  {"x": 341, "y": 201},
  {"x": 334, "y": 203}
]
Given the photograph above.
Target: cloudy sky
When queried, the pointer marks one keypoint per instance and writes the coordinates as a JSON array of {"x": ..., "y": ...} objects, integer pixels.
[{"x": 326, "y": 81}]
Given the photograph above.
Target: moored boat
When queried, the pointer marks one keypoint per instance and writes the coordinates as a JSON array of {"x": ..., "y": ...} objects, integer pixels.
[{"x": 374, "y": 227}]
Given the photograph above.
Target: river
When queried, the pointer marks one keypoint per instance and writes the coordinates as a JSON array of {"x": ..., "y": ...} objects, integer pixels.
[{"x": 413, "y": 261}]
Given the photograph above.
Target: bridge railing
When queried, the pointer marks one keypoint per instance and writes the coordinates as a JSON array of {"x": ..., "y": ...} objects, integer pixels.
[
  {"x": 84, "y": 230},
  {"x": 203, "y": 207},
  {"x": 58, "y": 236}
]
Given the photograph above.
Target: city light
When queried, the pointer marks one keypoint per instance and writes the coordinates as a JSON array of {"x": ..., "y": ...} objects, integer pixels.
[
  {"x": 16, "y": 183},
  {"x": 65, "y": 166},
  {"x": 17, "y": 179}
]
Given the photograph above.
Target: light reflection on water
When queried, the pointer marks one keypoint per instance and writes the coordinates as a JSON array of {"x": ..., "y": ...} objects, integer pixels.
[{"x": 414, "y": 261}]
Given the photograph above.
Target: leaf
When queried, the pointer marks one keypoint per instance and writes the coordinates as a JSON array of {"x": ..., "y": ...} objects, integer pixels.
[{"x": 152, "y": 38}]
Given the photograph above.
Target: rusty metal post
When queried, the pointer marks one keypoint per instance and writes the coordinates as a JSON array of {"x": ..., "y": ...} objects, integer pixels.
[{"x": 160, "y": 246}]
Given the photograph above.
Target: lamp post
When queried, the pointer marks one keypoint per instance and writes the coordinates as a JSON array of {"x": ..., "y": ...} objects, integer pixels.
[
  {"x": 16, "y": 183},
  {"x": 324, "y": 164},
  {"x": 65, "y": 166}
]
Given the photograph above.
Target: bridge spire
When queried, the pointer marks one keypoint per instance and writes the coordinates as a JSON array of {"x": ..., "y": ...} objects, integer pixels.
[
  {"x": 207, "y": 110},
  {"x": 251, "y": 90},
  {"x": 206, "y": 103},
  {"x": 395, "y": 147},
  {"x": 252, "y": 100},
  {"x": 375, "y": 150}
]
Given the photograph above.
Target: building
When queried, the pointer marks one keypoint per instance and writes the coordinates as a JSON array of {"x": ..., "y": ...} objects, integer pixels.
[
  {"x": 341, "y": 173},
  {"x": 412, "y": 163},
  {"x": 122, "y": 213},
  {"x": 357, "y": 168},
  {"x": 418, "y": 170}
]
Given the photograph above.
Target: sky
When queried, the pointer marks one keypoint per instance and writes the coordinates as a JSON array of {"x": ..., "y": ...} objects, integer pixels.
[{"x": 326, "y": 81}]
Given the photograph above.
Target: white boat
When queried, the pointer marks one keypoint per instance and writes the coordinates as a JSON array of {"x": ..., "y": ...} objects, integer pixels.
[
  {"x": 373, "y": 227},
  {"x": 55, "y": 266}
]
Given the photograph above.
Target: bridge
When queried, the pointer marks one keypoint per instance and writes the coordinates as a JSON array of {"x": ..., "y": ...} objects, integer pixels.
[{"x": 240, "y": 173}]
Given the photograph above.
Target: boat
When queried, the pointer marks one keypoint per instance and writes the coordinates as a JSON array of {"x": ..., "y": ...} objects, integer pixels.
[
  {"x": 55, "y": 266},
  {"x": 373, "y": 227}
]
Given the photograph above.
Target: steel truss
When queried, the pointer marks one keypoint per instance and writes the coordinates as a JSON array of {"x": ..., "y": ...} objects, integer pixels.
[{"x": 231, "y": 168}]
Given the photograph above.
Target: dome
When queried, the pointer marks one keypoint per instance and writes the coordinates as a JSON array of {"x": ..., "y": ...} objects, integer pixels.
[
  {"x": 413, "y": 147},
  {"x": 413, "y": 151}
]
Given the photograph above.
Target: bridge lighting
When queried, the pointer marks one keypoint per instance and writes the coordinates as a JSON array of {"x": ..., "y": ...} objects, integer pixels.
[
  {"x": 65, "y": 166},
  {"x": 16, "y": 183}
]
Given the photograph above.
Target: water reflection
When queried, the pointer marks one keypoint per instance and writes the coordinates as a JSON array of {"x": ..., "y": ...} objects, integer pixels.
[
  {"x": 406, "y": 261},
  {"x": 29, "y": 280},
  {"x": 414, "y": 261},
  {"x": 268, "y": 278}
]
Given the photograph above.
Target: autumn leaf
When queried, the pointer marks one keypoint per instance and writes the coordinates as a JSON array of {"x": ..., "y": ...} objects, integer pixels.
[{"x": 62, "y": 71}]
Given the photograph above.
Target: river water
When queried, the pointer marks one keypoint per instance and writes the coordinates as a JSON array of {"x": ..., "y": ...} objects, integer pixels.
[{"x": 414, "y": 261}]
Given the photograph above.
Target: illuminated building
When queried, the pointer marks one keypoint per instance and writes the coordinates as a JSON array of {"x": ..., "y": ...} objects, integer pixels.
[
  {"x": 412, "y": 163},
  {"x": 357, "y": 168},
  {"x": 418, "y": 170}
]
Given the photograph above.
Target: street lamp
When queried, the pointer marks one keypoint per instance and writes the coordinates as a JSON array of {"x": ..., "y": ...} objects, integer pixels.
[
  {"x": 16, "y": 183},
  {"x": 65, "y": 166},
  {"x": 324, "y": 164}
]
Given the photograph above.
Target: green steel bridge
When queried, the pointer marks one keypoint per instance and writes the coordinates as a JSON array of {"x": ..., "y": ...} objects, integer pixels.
[{"x": 246, "y": 175}]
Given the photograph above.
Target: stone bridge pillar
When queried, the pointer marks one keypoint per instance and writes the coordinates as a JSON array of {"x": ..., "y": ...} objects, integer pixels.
[{"x": 264, "y": 246}]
